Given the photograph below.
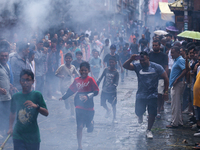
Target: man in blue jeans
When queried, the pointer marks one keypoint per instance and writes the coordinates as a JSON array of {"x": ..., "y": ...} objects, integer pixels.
[
  {"x": 26, "y": 105},
  {"x": 148, "y": 74}
]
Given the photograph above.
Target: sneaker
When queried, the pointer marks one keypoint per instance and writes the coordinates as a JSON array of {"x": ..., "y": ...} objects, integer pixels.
[
  {"x": 140, "y": 119},
  {"x": 158, "y": 116},
  {"x": 149, "y": 134},
  {"x": 197, "y": 134},
  {"x": 186, "y": 111},
  {"x": 91, "y": 127},
  {"x": 53, "y": 98},
  {"x": 194, "y": 127},
  {"x": 115, "y": 121}
]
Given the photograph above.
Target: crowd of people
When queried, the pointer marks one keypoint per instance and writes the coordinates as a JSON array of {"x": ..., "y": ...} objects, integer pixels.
[{"x": 41, "y": 68}]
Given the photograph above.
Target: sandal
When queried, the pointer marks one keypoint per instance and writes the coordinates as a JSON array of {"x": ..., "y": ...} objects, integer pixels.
[
  {"x": 197, "y": 147},
  {"x": 171, "y": 126},
  {"x": 158, "y": 116}
]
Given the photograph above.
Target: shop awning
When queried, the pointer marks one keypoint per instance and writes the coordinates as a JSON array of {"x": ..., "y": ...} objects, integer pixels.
[
  {"x": 166, "y": 13},
  {"x": 177, "y": 5},
  {"x": 153, "y": 6}
]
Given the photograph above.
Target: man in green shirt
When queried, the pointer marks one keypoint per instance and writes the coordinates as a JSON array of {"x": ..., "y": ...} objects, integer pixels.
[{"x": 25, "y": 106}]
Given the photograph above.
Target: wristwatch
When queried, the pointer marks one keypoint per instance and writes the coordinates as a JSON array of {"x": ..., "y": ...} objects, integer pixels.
[
  {"x": 38, "y": 107},
  {"x": 166, "y": 92}
]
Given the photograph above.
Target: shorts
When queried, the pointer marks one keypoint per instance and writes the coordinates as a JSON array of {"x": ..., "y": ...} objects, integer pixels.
[
  {"x": 161, "y": 86},
  {"x": 197, "y": 112},
  {"x": 21, "y": 145},
  {"x": 141, "y": 104},
  {"x": 84, "y": 117},
  {"x": 111, "y": 97}
]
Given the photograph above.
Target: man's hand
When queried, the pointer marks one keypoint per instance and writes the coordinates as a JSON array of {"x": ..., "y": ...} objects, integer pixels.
[
  {"x": 62, "y": 76},
  {"x": 10, "y": 131},
  {"x": 13, "y": 89},
  {"x": 3, "y": 91},
  {"x": 84, "y": 98},
  {"x": 60, "y": 99},
  {"x": 165, "y": 97},
  {"x": 30, "y": 104},
  {"x": 175, "y": 82},
  {"x": 133, "y": 57},
  {"x": 197, "y": 64}
]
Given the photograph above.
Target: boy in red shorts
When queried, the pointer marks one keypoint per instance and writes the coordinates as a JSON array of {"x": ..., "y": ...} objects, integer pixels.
[{"x": 86, "y": 88}]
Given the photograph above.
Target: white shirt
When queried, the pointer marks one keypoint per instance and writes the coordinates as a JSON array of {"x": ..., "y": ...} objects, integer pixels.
[{"x": 170, "y": 60}]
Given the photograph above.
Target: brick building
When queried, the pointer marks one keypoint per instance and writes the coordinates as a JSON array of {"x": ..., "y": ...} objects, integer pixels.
[{"x": 193, "y": 17}]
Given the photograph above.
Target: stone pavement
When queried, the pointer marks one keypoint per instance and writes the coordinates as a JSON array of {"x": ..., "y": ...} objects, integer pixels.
[{"x": 58, "y": 130}]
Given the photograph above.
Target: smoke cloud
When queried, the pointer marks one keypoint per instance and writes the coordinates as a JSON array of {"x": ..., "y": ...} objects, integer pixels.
[{"x": 24, "y": 17}]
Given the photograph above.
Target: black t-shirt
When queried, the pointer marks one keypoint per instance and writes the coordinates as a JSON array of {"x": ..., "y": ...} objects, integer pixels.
[
  {"x": 107, "y": 57},
  {"x": 134, "y": 48},
  {"x": 76, "y": 63},
  {"x": 147, "y": 35},
  {"x": 143, "y": 42},
  {"x": 123, "y": 57},
  {"x": 111, "y": 79},
  {"x": 159, "y": 58}
]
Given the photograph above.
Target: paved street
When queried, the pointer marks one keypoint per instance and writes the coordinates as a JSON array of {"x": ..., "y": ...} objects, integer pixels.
[{"x": 58, "y": 130}]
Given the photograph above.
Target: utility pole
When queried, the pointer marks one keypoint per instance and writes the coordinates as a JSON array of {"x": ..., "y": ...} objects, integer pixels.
[{"x": 185, "y": 5}]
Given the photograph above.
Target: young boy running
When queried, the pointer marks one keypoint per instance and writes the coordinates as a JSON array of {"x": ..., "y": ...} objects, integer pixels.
[
  {"x": 66, "y": 73},
  {"x": 78, "y": 61},
  {"x": 86, "y": 88},
  {"x": 95, "y": 64},
  {"x": 26, "y": 104},
  {"x": 109, "y": 90},
  {"x": 112, "y": 53}
]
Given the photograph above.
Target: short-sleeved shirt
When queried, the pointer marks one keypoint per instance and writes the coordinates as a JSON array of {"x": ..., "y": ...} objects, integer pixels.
[
  {"x": 17, "y": 65},
  {"x": 177, "y": 68},
  {"x": 159, "y": 58},
  {"x": 124, "y": 57},
  {"x": 108, "y": 56},
  {"x": 134, "y": 48},
  {"x": 68, "y": 76},
  {"x": 26, "y": 127},
  {"x": 148, "y": 80},
  {"x": 76, "y": 64},
  {"x": 106, "y": 50},
  {"x": 196, "y": 93},
  {"x": 144, "y": 42},
  {"x": 111, "y": 79},
  {"x": 95, "y": 64},
  {"x": 84, "y": 86}
]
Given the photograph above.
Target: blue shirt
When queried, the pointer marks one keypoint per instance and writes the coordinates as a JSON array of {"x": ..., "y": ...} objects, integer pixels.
[
  {"x": 148, "y": 80},
  {"x": 177, "y": 68},
  {"x": 95, "y": 64}
]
